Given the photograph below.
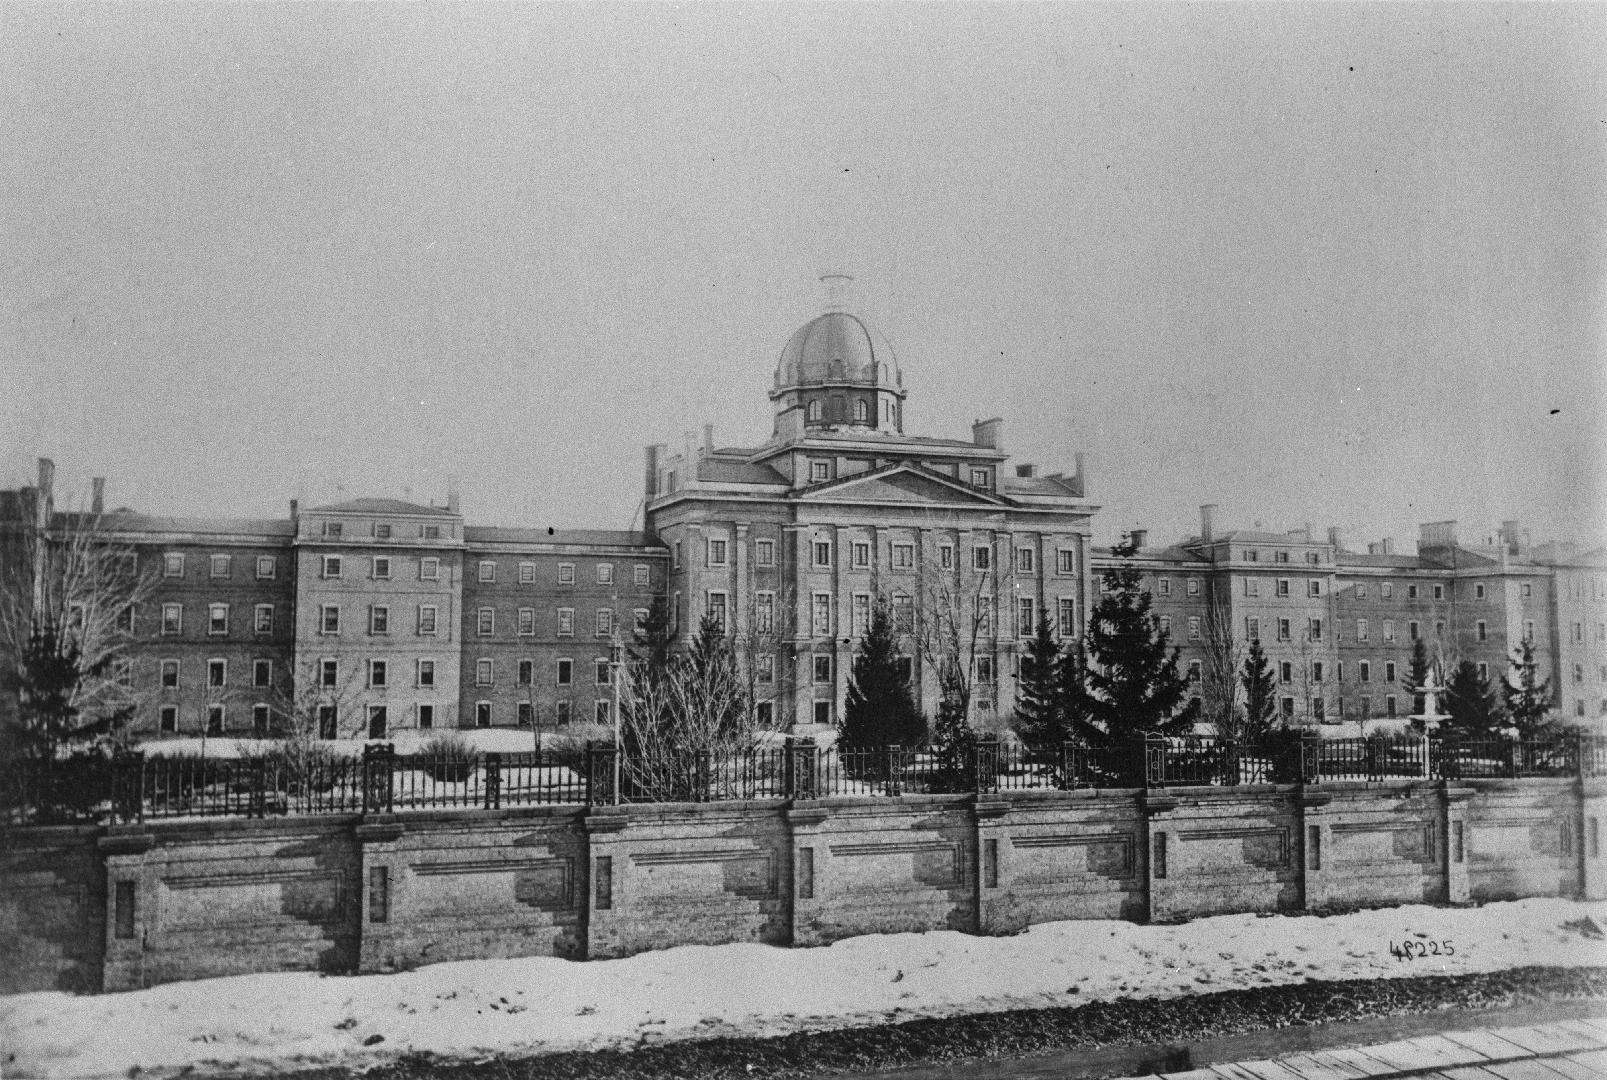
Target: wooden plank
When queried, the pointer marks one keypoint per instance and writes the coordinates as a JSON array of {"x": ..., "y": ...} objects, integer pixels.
[
  {"x": 1267, "y": 1069},
  {"x": 1526, "y": 1069},
  {"x": 1489, "y": 1043},
  {"x": 1546, "y": 1038},
  {"x": 1308, "y": 1067},
  {"x": 1407, "y": 1055},
  {"x": 1573, "y": 1070}
]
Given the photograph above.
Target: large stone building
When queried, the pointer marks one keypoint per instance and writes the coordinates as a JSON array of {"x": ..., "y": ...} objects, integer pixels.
[{"x": 375, "y": 616}]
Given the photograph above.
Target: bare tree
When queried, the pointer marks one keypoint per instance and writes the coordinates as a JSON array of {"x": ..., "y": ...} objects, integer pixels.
[
  {"x": 954, "y": 629},
  {"x": 1221, "y": 659},
  {"x": 759, "y": 640},
  {"x": 69, "y": 600}
]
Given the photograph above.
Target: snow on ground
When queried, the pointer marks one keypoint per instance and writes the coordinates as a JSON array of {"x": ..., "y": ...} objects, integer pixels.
[{"x": 474, "y": 1008}]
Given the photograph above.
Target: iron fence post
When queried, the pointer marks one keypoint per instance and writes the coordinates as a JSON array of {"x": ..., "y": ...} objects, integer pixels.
[
  {"x": 702, "y": 777},
  {"x": 1581, "y": 741},
  {"x": 1512, "y": 756},
  {"x": 378, "y": 765},
  {"x": 895, "y": 766},
  {"x": 1152, "y": 759},
  {"x": 493, "y": 781},
  {"x": 1310, "y": 758}
]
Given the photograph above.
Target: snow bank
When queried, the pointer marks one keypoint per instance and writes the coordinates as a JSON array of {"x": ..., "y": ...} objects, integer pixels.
[{"x": 263, "y": 1022}]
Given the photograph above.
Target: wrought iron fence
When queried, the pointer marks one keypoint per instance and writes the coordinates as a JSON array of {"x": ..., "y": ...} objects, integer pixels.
[{"x": 280, "y": 781}]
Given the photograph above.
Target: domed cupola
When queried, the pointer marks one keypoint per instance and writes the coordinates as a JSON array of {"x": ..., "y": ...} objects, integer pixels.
[{"x": 837, "y": 371}]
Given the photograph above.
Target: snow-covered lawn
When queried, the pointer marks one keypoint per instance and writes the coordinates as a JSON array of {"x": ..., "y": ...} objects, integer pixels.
[{"x": 528, "y": 1006}]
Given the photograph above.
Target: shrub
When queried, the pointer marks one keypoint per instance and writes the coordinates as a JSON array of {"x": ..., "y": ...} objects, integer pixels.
[
  {"x": 568, "y": 747},
  {"x": 449, "y": 758}
]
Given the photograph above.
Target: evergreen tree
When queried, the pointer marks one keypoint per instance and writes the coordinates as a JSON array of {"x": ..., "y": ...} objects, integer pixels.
[
  {"x": 1471, "y": 706},
  {"x": 953, "y": 746},
  {"x": 1417, "y": 672},
  {"x": 714, "y": 687},
  {"x": 1528, "y": 696},
  {"x": 651, "y": 643},
  {"x": 1126, "y": 680},
  {"x": 47, "y": 677},
  {"x": 881, "y": 709},
  {"x": 1040, "y": 717},
  {"x": 1260, "y": 693}
]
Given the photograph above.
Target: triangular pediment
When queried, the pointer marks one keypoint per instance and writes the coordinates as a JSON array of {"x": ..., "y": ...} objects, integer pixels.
[{"x": 902, "y": 484}]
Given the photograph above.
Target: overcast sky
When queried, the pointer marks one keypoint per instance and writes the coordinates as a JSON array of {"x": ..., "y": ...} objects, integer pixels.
[{"x": 1326, "y": 263}]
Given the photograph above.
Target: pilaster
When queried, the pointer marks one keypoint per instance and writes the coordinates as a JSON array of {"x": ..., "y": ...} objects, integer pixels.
[
  {"x": 1313, "y": 848},
  {"x": 991, "y": 871},
  {"x": 1592, "y": 809},
  {"x": 132, "y": 888},
  {"x": 1457, "y": 847},
  {"x": 384, "y": 875}
]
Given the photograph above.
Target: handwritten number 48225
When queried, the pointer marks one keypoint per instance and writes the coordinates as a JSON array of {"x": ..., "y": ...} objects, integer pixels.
[{"x": 1409, "y": 950}]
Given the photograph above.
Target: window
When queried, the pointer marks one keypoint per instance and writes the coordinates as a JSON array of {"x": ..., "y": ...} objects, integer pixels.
[
  {"x": 1389, "y": 705},
  {"x": 262, "y": 620},
  {"x": 426, "y": 716},
  {"x": 482, "y": 672},
  {"x": 1314, "y": 629},
  {"x": 1252, "y": 555},
  {"x": 488, "y": 570},
  {"x": 331, "y": 566},
  {"x": 1361, "y": 592},
  {"x": 1366, "y": 708},
  {"x": 1287, "y": 704},
  {"x": 903, "y": 613},
  {"x": 605, "y": 622},
  {"x": 1281, "y": 557},
  {"x": 820, "y": 621},
  {"x": 214, "y": 719},
  {"x": 764, "y": 612},
  {"x": 1389, "y": 630},
  {"x": 982, "y": 557},
  {"x": 861, "y": 615},
  {"x": 1313, "y": 558},
  {"x": 1163, "y": 586},
  {"x": 222, "y": 565},
  {"x": 1066, "y": 561},
  {"x": 903, "y": 556},
  {"x": 430, "y": 532},
  {"x": 1528, "y": 630},
  {"x": 1387, "y": 590},
  {"x": 566, "y": 672},
  {"x": 1194, "y": 671},
  {"x": 1286, "y": 671},
  {"x": 1366, "y": 670},
  {"x": 1068, "y": 617},
  {"x": 600, "y": 675},
  {"x": 819, "y": 470},
  {"x": 1478, "y": 592},
  {"x": 765, "y": 712},
  {"x": 716, "y": 552},
  {"x": 1412, "y": 629},
  {"x": 979, "y": 478},
  {"x": 527, "y": 573},
  {"x": 1579, "y": 632},
  {"x": 262, "y": 673},
  {"x": 328, "y": 673},
  {"x": 1411, "y": 592},
  {"x": 527, "y": 621},
  {"x": 1283, "y": 629},
  {"x": 382, "y": 532},
  {"x": 1318, "y": 710},
  {"x": 382, "y": 567},
  {"x": 1484, "y": 670},
  {"x": 482, "y": 714},
  {"x": 566, "y": 573},
  {"x": 173, "y": 564},
  {"x": 822, "y": 712},
  {"x": 424, "y": 673},
  {"x": 170, "y": 718},
  {"x": 1482, "y": 630},
  {"x": 766, "y": 668},
  {"x": 1283, "y": 586},
  {"x": 170, "y": 674},
  {"x": 861, "y": 410},
  {"x": 822, "y": 552},
  {"x": 1316, "y": 671},
  {"x": 1314, "y": 587},
  {"x": 1439, "y": 592},
  {"x": 426, "y": 619},
  {"x": 1528, "y": 589},
  {"x": 1025, "y": 616},
  {"x": 860, "y": 554},
  {"x": 675, "y": 555},
  {"x": 1361, "y": 629},
  {"x": 379, "y": 619},
  {"x": 715, "y": 606},
  {"x": 333, "y": 528},
  {"x": 486, "y": 621},
  {"x": 1579, "y": 673},
  {"x": 1389, "y": 672},
  {"x": 328, "y": 722},
  {"x": 1252, "y": 628},
  {"x": 217, "y": 621},
  {"x": 376, "y": 672},
  {"x": 125, "y": 619},
  {"x": 1194, "y": 628},
  {"x": 764, "y": 552},
  {"x": 429, "y": 569},
  {"x": 1024, "y": 560},
  {"x": 602, "y": 712},
  {"x": 217, "y": 673},
  {"x": 1252, "y": 586},
  {"x": 1166, "y": 624},
  {"x": 566, "y": 622},
  {"x": 563, "y": 711},
  {"x": 1194, "y": 586},
  {"x": 822, "y": 669},
  {"x": 945, "y": 556},
  {"x": 641, "y": 575},
  {"x": 984, "y": 669},
  {"x": 605, "y": 573},
  {"x": 526, "y": 713}
]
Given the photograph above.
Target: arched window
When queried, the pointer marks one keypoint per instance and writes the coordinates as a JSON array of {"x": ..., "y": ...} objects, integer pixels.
[
  {"x": 861, "y": 410},
  {"x": 814, "y": 409}
]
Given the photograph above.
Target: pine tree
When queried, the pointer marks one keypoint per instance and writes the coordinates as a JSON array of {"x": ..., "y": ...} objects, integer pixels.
[
  {"x": 953, "y": 746},
  {"x": 714, "y": 687},
  {"x": 881, "y": 708},
  {"x": 1528, "y": 696},
  {"x": 651, "y": 643},
  {"x": 1417, "y": 672},
  {"x": 1260, "y": 693},
  {"x": 1126, "y": 681},
  {"x": 1471, "y": 706},
  {"x": 1040, "y": 717}
]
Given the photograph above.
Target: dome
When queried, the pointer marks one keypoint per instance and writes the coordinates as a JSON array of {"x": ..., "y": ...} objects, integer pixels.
[{"x": 838, "y": 348}]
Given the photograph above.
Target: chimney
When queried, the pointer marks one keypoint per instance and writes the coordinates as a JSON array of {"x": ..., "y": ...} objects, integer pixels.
[
  {"x": 1082, "y": 474},
  {"x": 988, "y": 433},
  {"x": 708, "y": 439},
  {"x": 97, "y": 498},
  {"x": 1436, "y": 534},
  {"x": 651, "y": 470},
  {"x": 1374, "y": 547},
  {"x": 1208, "y": 522},
  {"x": 1386, "y": 546},
  {"x": 1027, "y": 471},
  {"x": 1306, "y": 530},
  {"x": 837, "y": 290},
  {"x": 1335, "y": 538},
  {"x": 453, "y": 496},
  {"x": 1140, "y": 536},
  {"x": 1512, "y": 536},
  {"x": 45, "y": 505},
  {"x": 295, "y": 511}
]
